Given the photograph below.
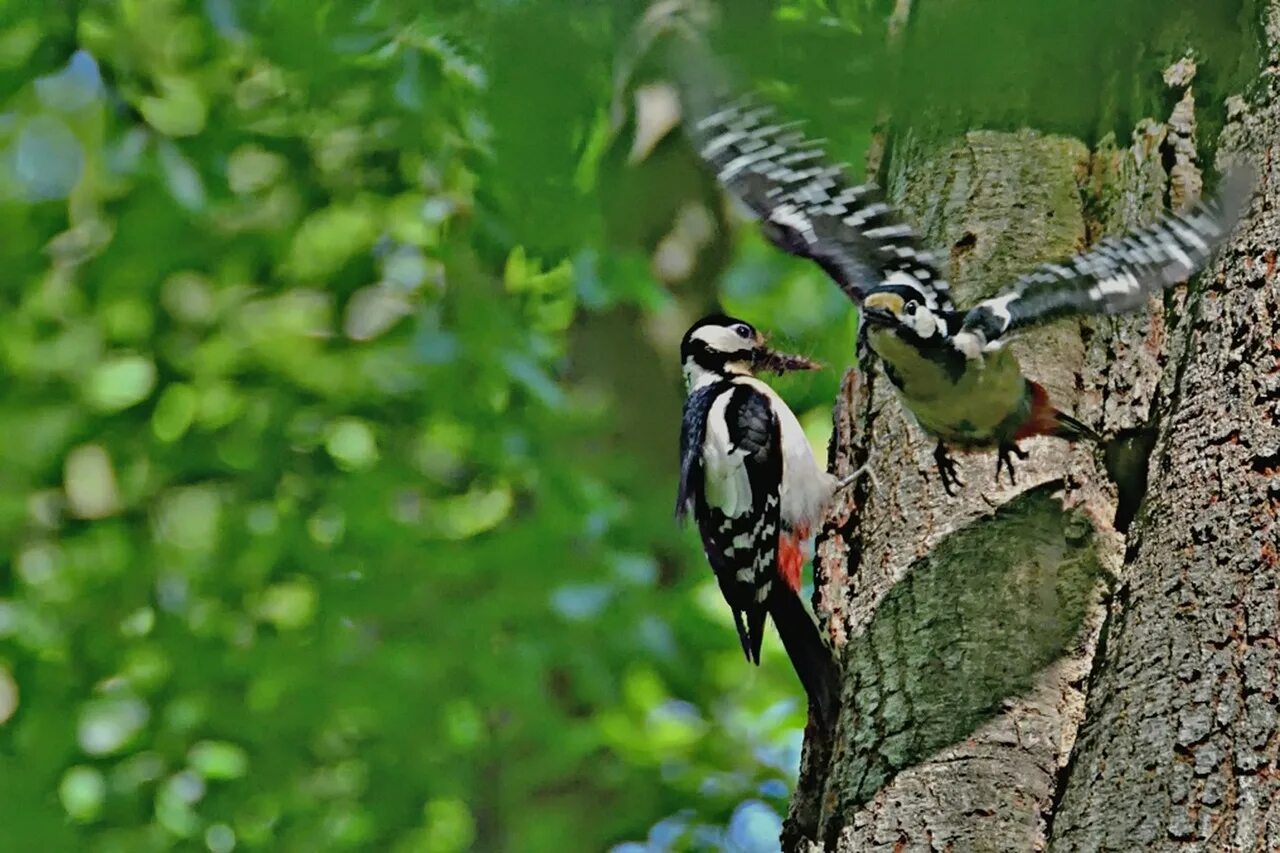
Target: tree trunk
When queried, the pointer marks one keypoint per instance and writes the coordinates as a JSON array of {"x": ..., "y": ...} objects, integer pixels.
[{"x": 1049, "y": 664}]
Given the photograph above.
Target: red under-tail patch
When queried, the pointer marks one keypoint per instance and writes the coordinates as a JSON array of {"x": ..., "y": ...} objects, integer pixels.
[
  {"x": 1043, "y": 417},
  {"x": 791, "y": 556}
]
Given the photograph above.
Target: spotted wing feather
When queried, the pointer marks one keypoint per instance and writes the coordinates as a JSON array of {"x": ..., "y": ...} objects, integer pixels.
[
  {"x": 808, "y": 207},
  {"x": 1119, "y": 274}
]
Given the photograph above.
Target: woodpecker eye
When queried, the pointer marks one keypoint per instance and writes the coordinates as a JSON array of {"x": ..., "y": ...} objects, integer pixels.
[
  {"x": 910, "y": 308},
  {"x": 743, "y": 330}
]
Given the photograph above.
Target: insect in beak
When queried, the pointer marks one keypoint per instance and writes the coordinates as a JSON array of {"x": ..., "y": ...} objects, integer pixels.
[{"x": 773, "y": 361}]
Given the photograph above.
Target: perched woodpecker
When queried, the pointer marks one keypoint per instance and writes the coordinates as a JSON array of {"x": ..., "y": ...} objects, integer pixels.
[
  {"x": 748, "y": 476},
  {"x": 949, "y": 365}
]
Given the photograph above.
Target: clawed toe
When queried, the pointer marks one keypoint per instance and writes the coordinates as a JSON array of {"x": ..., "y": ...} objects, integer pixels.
[{"x": 1004, "y": 458}]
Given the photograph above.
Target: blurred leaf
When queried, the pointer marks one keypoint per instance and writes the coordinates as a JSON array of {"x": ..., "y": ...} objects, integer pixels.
[
  {"x": 82, "y": 792},
  {"x": 120, "y": 382},
  {"x": 218, "y": 760}
]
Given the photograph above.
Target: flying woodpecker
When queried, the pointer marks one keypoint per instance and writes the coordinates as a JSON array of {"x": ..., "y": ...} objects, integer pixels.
[
  {"x": 748, "y": 476},
  {"x": 948, "y": 364}
]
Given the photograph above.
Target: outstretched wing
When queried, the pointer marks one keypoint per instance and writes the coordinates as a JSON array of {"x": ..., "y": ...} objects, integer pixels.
[
  {"x": 739, "y": 513},
  {"x": 1117, "y": 275},
  {"x": 808, "y": 208}
]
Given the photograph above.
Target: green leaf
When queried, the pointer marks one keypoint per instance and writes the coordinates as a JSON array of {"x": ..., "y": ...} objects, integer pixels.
[
  {"x": 179, "y": 109},
  {"x": 174, "y": 412},
  {"x": 351, "y": 443},
  {"x": 82, "y": 792},
  {"x": 120, "y": 382},
  {"x": 289, "y": 606},
  {"x": 218, "y": 760},
  {"x": 329, "y": 238}
]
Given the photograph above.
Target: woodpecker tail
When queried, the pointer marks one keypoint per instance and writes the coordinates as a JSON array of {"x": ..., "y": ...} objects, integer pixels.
[
  {"x": 810, "y": 655},
  {"x": 1044, "y": 418},
  {"x": 1071, "y": 429}
]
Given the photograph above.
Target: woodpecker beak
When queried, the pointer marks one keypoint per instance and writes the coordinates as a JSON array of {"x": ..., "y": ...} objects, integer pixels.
[
  {"x": 773, "y": 361},
  {"x": 882, "y": 309},
  {"x": 878, "y": 317}
]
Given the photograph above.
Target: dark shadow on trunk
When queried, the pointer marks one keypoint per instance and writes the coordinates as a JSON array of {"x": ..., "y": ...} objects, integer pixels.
[{"x": 969, "y": 626}]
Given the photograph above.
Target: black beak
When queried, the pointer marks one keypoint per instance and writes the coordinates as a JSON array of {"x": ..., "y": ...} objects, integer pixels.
[
  {"x": 780, "y": 362},
  {"x": 878, "y": 317}
]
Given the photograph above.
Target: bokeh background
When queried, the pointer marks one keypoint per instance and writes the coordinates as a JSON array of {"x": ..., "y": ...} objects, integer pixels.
[{"x": 340, "y": 404}]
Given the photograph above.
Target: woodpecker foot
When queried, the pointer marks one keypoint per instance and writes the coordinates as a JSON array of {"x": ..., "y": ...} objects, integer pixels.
[
  {"x": 847, "y": 481},
  {"x": 946, "y": 469},
  {"x": 1004, "y": 459}
]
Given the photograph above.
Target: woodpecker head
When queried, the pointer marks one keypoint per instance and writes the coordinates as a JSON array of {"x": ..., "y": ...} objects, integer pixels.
[
  {"x": 718, "y": 345},
  {"x": 901, "y": 308}
]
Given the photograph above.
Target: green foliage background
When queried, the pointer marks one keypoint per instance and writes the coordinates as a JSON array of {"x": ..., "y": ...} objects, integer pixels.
[
  {"x": 339, "y": 412},
  {"x": 313, "y": 539}
]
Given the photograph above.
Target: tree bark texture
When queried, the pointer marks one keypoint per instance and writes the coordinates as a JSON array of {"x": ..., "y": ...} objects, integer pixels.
[{"x": 1087, "y": 660}]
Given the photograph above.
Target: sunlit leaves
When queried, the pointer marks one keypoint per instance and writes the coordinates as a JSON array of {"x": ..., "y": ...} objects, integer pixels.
[
  {"x": 107, "y": 724},
  {"x": 478, "y": 510},
  {"x": 188, "y": 517},
  {"x": 549, "y": 294},
  {"x": 82, "y": 792},
  {"x": 218, "y": 760},
  {"x": 174, "y": 412},
  {"x": 449, "y": 827},
  {"x": 90, "y": 482},
  {"x": 351, "y": 444},
  {"x": 252, "y": 168},
  {"x": 312, "y": 527},
  {"x": 329, "y": 237},
  {"x": 179, "y": 109},
  {"x": 120, "y": 382}
]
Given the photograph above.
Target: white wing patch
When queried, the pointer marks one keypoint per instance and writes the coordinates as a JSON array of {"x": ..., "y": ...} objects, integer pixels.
[
  {"x": 1118, "y": 285},
  {"x": 727, "y": 485}
]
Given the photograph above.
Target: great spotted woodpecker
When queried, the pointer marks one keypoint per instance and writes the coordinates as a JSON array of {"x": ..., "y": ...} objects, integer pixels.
[
  {"x": 749, "y": 477},
  {"x": 948, "y": 365}
]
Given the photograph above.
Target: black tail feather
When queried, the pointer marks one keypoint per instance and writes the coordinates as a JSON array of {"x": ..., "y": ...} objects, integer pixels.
[
  {"x": 810, "y": 655},
  {"x": 750, "y": 624},
  {"x": 1074, "y": 430}
]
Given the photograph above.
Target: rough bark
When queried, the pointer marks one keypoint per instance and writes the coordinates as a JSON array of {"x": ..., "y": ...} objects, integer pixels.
[
  {"x": 966, "y": 623},
  {"x": 1180, "y": 741},
  {"x": 969, "y": 628}
]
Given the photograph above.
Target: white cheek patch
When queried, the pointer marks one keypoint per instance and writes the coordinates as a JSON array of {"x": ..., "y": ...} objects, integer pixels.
[
  {"x": 695, "y": 377},
  {"x": 924, "y": 323},
  {"x": 720, "y": 339}
]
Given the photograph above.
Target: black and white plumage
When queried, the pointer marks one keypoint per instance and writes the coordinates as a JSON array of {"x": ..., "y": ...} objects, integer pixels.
[
  {"x": 807, "y": 208},
  {"x": 1116, "y": 276},
  {"x": 947, "y": 364},
  {"x": 750, "y": 480}
]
